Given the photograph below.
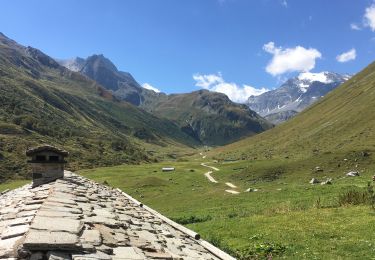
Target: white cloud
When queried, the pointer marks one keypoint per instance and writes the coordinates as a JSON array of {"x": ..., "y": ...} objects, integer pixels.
[
  {"x": 284, "y": 3},
  {"x": 369, "y": 17},
  {"x": 355, "y": 27},
  {"x": 347, "y": 56},
  {"x": 290, "y": 59},
  {"x": 149, "y": 87},
  {"x": 236, "y": 93}
]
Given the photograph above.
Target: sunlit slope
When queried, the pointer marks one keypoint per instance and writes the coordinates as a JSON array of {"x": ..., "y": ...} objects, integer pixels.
[{"x": 341, "y": 122}]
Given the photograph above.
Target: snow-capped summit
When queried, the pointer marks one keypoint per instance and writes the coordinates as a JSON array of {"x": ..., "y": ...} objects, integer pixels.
[{"x": 295, "y": 94}]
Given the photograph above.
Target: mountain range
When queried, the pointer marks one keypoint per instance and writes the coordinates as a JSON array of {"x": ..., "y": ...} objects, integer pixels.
[
  {"x": 295, "y": 95},
  {"x": 42, "y": 101},
  {"x": 208, "y": 117},
  {"x": 336, "y": 128}
]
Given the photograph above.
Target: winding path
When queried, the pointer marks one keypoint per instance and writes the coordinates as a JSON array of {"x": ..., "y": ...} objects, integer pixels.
[{"x": 212, "y": 179}]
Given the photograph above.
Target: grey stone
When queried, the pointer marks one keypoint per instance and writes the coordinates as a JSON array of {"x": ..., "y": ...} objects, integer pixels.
[
  {"x": 62, "y": 214},
  {"x": 37, "y": 256},
  {"x": 8, "y": 246},
  {"x": 107, "y": 235},
  {"x": 63, "y": 209},
  {"x": 45, "y": 240},
  {"x": 14, "y": 231},
  {"x": 132, "y": 253},
  {"x": 91, "y": 237},
  {"x": 61, "y": 200},
  {"x": 314, "y": 181},
  {"x": 56, "y": 255},
  {"x": 57, "y": 224},
  {"x": 97, "y": 255},
  {"x": 352, "y": 174}
]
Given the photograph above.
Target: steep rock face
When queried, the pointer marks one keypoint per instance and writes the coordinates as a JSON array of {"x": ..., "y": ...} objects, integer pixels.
[
  {"x": 102, "y": 70},
  {"x": 295, "y": 95}
]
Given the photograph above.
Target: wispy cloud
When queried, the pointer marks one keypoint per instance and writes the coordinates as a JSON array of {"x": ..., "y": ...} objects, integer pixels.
[
  {"x": 149, "y": 87},
  {"x": 369, "y": 17},
  {"x": 236, "y": 93},
  {"x": 355, "y": 27},
  {"x": 284, "y": 3},
  {"x": 290, "y": 59},
  {"x": 347, "y": 56}
]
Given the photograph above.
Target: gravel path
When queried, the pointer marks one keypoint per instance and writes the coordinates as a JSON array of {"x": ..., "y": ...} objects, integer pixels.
[
  {"x": 209, "y": 177},
  {"x": 231, "y": 185},
  {"x": 212, "y": 179},
  {"x": 232, "y": 191}
]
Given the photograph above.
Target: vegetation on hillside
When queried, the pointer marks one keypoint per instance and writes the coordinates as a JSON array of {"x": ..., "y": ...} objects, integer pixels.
[{"x": 42, "y": 102}]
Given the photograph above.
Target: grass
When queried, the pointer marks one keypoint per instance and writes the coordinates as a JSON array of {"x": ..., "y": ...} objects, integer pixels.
[
  {"x": 12, "y": 184},
  {"x": 287, "y": 217}
]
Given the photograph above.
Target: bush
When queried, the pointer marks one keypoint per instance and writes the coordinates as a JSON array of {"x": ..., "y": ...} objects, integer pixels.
[{"x": 192, "y": 219}]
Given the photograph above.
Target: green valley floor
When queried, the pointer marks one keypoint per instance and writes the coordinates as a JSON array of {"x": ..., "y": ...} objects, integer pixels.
[{"x": 282, "y": 215}]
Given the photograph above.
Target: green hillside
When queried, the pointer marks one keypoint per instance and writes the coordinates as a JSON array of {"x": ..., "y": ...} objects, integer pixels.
[
  {"x": 42, "y": 101},
  {"x": 340, "y": 124},
  {"x": 209, "y": 117}
]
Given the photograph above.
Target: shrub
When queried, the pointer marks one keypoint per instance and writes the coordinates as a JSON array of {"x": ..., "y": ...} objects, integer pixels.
[{"x": 184, "y": 220}]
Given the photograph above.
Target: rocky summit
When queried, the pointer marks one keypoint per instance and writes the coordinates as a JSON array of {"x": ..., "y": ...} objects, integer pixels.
[{"x": 75, "y": 218}]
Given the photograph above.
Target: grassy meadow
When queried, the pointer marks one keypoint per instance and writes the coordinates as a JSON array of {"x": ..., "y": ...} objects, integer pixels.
[{"x": 287, "y": 217}]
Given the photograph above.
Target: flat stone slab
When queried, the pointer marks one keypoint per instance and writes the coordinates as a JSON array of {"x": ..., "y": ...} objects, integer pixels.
[
  {"x": 56, "y": 255},
  {"x": 61, "y": 200},
  {"x": 63, "y": 209},
  {"x": 7, "y": 246},
  {"x": 45, "y": 240},
  {"x": 14, "y": 231},
  {"x": 61, "y": 214},
  {"x": 54, "y": 224},
  {"x": 97, "y": 255},
  {"x": 132, "y": 253},
  {"x": 91, "y": 237}
]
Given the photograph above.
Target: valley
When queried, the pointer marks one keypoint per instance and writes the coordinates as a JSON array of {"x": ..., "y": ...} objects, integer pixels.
[
  {"x": 284, "y": 215},
  {"x": 254, "y": 143}
]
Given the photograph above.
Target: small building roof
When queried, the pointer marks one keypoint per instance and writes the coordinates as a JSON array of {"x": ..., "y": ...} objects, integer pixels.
[
  {"x": 76, "y": 218},
  {"x": 46, "y": 148}
]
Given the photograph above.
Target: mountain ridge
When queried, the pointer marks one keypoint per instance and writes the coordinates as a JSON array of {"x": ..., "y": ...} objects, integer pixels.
[
  {"x": 295, "y": 95},
  {"x": 195, "y": 117}
]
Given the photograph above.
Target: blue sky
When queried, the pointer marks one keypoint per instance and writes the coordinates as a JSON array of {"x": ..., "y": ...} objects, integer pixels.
[{"x": 180, "y": 46}]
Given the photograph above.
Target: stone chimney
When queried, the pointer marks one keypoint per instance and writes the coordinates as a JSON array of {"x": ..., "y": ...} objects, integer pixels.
[{"x": 47, "y": 163}]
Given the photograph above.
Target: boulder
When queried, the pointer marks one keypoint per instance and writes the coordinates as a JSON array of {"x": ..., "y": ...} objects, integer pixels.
[
  {"x": 314, "y": 181},
  {"x": 251, "y": 190},
  {"x": 318, "y": 169},
  {"x": 327, "y": 181},
  {"x": 352, "y": 174}
]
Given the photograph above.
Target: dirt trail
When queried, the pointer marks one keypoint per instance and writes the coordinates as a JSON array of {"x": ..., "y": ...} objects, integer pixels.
[
  {"x": 232, "y": 191},
  {"x": 231, "y": 185},
  {"x": 212, "y": 179},
  {"x": 209, "y": 177}
]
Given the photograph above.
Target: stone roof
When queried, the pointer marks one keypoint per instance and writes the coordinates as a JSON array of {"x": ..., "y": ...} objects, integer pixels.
[
  {"x": 46, "y": 147},
  {"x": 76, "y": 218}
]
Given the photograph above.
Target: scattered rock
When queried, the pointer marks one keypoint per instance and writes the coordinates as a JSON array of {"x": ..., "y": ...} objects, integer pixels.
[
  {"x": 251, "y": 190},
  {"x": 318, "y": 169},
  {"x": 327, "y": 181},
  {"x": 314, "y": 181},
  {"x": 352, "y": 174}
]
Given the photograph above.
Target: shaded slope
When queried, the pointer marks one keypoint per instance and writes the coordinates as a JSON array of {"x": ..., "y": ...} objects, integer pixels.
[
  {"x": 41, "y": 101},
  {"x": 210, "y": 117},
  {"x": 341, "y": 122}
]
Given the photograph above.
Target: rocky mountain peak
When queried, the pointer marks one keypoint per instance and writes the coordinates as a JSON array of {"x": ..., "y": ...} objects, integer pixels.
[{"x": 295, "y": 94}]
